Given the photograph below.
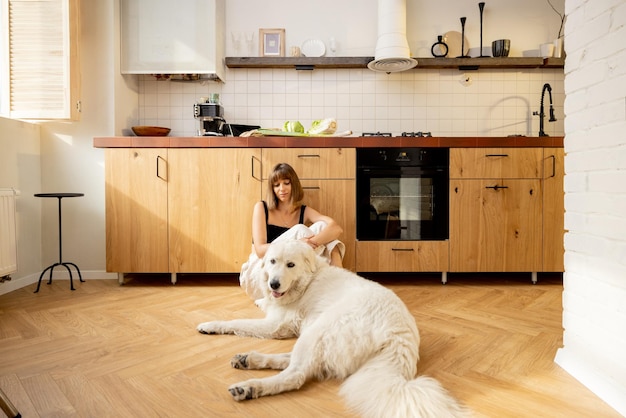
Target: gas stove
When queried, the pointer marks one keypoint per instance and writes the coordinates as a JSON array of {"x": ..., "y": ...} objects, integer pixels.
[
  {"x": 419, "y": 134},
  {"x": 388, "y": 134}
]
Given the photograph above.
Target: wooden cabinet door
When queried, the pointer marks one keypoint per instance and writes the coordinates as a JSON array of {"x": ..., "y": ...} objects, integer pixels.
[
  {"x": 495, "y": 163},
  {"x": 402, "y": 256},
  {"x": 553, "y": 210},
  {"x": 211, "y": 195},
  {"x": 313, "y": 163},
  {"x": 495, "y": 225},
  {"x": 337, "y": 199},
  {"x": 136, "y": 210}
]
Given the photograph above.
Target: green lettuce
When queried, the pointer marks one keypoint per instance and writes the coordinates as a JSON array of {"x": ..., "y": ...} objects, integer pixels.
[{"x": 293, "y": 126}]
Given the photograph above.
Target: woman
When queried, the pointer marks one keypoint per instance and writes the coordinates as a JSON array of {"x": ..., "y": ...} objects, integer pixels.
[{"x": 284, "y": 217}]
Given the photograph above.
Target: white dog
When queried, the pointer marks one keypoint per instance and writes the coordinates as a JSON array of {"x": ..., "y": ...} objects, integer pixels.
[{"x": 348, "y": 327}]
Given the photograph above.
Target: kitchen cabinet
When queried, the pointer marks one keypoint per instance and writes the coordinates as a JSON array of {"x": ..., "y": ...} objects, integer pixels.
[
  {"x": 312, "y": 163},
  {"x": 210, "y": 198},
  {"x": 136, "y": 210},
  {"x": 553, "y": 209},
  {"x": 328, "y": 178},
  {"x": 496, "y": 210},
  {"x": 179, "y": 210},
  {"x": 402, "y": 256},
  {"x": 161, "y": 37},
  {"x": 169, "y": 208}
]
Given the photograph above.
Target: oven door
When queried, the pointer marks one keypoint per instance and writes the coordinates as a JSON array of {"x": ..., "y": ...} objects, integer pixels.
[{"x": 402, "y": 203}]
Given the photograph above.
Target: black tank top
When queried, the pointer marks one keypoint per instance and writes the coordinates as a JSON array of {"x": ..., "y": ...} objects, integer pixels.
[{"x": 274, "y": 231}]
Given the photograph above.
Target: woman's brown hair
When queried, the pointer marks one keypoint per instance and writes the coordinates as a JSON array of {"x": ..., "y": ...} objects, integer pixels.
[{"x": 283, "y": 171}]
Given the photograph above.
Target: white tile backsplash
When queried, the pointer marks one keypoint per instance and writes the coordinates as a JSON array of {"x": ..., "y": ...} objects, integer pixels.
[{"x": 494, "y": 103}]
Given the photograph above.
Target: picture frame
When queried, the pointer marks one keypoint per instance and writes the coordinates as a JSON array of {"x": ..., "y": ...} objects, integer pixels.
[{"x": 272, "y": 42}]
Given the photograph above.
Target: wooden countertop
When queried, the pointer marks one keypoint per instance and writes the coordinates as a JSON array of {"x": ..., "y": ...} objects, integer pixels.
[{"x": 323, "y": 142}]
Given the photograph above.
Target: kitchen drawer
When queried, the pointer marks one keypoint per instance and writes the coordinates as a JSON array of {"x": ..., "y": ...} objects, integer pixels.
[
  {"x": 497, "y": 163},
  {"x": 402, "y": 256},
  {"x": 312, "y": 163}
]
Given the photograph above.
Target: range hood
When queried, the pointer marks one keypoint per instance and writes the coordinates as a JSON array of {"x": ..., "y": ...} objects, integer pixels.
[
  {"x": 183, "y": 42},
  {"x": 392, "y": 48}
]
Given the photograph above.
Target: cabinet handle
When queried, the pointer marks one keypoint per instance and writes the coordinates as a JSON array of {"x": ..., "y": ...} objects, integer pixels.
[
  {"x": 553, "y": 165},
  {"x": 402, "y": 249},
  {"x": 311, "y": 187},
  {"x": 252, "y": 160},
  {"x": 158, "y": 173},
  {"x": 496, "y": 155},
  {"x": 496, "y": 187},
  {"x": 308, "y": 156}
]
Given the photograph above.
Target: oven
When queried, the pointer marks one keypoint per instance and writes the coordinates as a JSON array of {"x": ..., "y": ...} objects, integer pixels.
[{"x": 402, "y": 194}]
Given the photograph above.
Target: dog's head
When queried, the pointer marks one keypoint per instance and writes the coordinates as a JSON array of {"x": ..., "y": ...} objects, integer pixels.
[{"x": 288, "y": 268}]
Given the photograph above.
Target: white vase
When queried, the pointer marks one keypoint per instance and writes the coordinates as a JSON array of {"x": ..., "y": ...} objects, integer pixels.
[
  {"x": 546, "y": 50},
  {"x": 558, "y": 48}
]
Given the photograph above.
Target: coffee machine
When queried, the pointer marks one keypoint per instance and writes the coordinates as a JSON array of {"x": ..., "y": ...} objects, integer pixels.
[{"x": 211, "y": 116}]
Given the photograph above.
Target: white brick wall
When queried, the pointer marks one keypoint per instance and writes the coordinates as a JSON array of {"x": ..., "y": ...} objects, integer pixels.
[{"x": 594, "y": 297}]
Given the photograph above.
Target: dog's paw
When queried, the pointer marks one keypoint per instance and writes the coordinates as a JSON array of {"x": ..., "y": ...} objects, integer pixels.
[
  {"x": 242, "y": 392},
  {"x": 261, "y": 304},
  {"x": 209, "y": 328},
  {"x": 239, "y": 361}
]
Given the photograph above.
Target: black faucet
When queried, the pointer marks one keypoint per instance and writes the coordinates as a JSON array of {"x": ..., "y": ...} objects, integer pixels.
[{"x": 541, "y": 113}]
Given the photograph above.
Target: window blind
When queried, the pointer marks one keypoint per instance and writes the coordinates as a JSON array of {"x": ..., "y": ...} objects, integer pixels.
[{"x": 40, "y": 62}]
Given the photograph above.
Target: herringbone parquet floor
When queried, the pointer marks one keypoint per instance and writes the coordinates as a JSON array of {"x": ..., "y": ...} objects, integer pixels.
[{"x": 106, "y": 350}]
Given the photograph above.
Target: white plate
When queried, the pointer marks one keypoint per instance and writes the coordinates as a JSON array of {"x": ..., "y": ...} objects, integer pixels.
[
  {"x": 453, "y": 40},
  {"x": 313, "y": 48}
]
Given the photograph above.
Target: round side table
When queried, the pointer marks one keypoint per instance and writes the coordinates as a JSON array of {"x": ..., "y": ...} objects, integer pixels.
[{"x": 65, "y": 264}]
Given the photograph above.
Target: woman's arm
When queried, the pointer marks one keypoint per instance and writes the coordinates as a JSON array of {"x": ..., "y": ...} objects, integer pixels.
[
  {"x": 259, "y": 230},
  {"x": 329, "y": 233}
]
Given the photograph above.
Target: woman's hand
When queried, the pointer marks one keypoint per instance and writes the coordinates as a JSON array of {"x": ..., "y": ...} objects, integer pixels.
[{"x": 309, "y": 240}]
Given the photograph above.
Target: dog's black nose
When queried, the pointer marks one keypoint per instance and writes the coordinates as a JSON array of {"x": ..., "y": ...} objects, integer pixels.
[{"x": 274, "y": 284}]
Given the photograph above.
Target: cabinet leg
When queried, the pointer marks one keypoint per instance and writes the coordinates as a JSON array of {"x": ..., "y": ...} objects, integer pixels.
[
  {"x": 533, "y": 277},
  {"x": 120, "y": 278},
  {"x": 444, "y": 277},
  {"x": 173, "y": 278}
]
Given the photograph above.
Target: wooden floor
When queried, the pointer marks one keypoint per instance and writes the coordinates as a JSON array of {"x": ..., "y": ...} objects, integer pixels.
[{"x": 106, "y": 350}]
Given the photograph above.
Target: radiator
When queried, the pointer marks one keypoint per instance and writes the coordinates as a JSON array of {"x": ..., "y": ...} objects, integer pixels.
[{"x": 8, "y": 236}]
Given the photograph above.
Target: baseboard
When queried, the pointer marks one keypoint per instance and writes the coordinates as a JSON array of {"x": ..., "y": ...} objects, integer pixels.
[
  {"x": 607, "y": 389},
  {"x": 17, "y": 283}
]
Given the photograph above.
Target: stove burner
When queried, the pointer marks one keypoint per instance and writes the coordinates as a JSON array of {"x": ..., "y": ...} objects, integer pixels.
[
  {"x": 417, "y": 134},
  {"x": 376, "y": 134}
]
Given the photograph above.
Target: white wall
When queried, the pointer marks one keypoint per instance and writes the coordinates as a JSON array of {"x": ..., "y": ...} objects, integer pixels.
[
  {"x": 110, "y": 102},
  {"x": 353, "y": 23},
  {"x": 59, "y": 157},
  {"x": 594, "y": 299},
  {"x": 496, "y": 103},
  {"x": 20, "y": 161}
]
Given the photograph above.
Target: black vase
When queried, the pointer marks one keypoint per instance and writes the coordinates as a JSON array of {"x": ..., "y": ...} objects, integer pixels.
[
  {"x": 463, "y": 19},
  {"x": 481, "y": 7}
]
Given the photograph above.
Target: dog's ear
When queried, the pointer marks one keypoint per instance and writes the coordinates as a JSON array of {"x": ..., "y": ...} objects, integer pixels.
[{"x": 310, "y": 259}]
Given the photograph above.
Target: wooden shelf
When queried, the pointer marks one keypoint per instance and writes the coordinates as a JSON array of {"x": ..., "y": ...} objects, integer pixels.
[
  {"x": 293, "y": 62},
  {"x": 310, "y": 63}
]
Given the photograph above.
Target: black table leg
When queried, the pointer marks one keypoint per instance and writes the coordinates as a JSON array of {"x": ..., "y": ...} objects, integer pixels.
[{"x": 65, "y": 264}]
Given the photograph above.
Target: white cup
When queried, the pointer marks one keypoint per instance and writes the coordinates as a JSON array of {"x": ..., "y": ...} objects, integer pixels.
[{"x": 547, "y": 50}]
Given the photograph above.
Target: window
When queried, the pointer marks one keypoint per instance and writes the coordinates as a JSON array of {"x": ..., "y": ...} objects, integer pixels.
[{"x": 39, "y": 76}]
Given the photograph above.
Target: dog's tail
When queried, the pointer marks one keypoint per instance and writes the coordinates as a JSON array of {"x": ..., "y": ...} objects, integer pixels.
[{"x": 378, "y": 389}]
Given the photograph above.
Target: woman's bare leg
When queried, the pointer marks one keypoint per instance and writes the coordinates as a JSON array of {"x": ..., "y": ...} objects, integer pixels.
[{"x": 335, "y": 258}]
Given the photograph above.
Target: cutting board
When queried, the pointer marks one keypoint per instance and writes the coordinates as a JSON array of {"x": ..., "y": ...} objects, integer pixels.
[{"x": 274, "y": 132}]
